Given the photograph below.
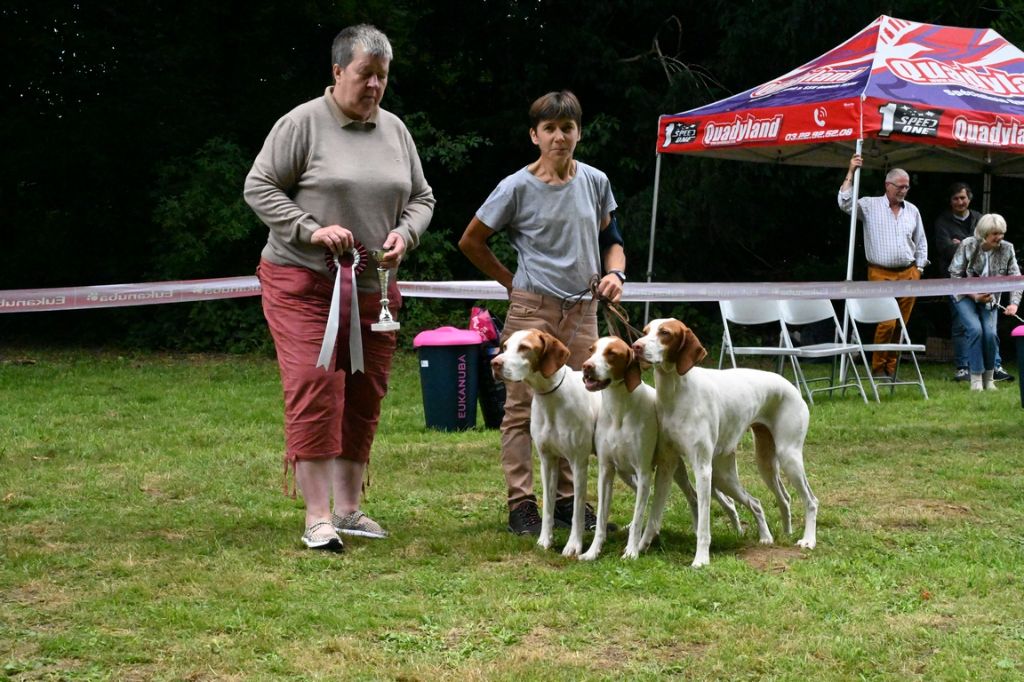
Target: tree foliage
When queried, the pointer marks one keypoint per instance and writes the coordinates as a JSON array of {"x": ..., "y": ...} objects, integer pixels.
[{"x": 129, "y": 127}]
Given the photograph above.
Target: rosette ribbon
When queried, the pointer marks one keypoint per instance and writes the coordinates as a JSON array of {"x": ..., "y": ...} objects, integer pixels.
[{"x": 345, "y": 267}]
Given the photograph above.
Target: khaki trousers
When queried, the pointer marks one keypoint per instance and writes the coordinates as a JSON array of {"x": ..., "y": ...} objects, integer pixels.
[{"x": 888, "y": 332}]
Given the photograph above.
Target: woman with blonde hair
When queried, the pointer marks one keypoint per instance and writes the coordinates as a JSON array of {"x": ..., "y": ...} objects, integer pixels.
[{"x": 986, "y": 254}]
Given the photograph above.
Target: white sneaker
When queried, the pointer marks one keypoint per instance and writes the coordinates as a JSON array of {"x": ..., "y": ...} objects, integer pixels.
[
  {"x": 322, "y": 536},
  {"x": 989, "y": 381},
  {"x": 358, "y": 523}
]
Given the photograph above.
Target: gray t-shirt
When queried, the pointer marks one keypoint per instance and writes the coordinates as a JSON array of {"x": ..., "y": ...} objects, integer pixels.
[{"x": 553, "y": 228}]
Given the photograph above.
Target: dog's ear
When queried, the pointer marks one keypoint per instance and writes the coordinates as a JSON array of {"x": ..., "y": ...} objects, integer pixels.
[
  {"x": 691, "y": 352},
  {"x": 553, "y": 355},
  {"x": 632, "y": 378}
]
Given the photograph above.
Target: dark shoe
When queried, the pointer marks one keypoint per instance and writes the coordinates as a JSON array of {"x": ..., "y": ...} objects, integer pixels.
[
  {"x": 524, "y": 519},
  {"x": 962, "y": 374},
  {"x": 1000, "y": 375},
  {"x": 563, "y": 516}
]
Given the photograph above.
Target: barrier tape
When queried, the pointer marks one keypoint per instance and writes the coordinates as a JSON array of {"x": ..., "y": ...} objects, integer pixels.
[{"x": 150, "y": 293}]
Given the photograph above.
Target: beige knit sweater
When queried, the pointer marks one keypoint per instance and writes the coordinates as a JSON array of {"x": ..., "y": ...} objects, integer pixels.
[{"x": 318, "y": 167}]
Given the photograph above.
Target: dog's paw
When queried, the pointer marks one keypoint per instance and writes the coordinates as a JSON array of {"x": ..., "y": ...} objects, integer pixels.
[
  {"x": 544, "y": 542},
  {"x": 766, "y": 540},
  {"x": 589, "y": 555},
  {"x": 631, "y": 553},
  {"x": 700, "y": 561},
  {"x": 572, "y": 549},
  {"x": 806, "y": 543}
]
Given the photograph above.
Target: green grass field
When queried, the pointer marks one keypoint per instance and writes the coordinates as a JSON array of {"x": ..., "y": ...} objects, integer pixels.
[{"x": 145, "y": 537}]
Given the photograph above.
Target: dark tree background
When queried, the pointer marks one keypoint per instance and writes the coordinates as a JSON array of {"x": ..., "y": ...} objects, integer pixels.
[{"x": 128, "y": 128}]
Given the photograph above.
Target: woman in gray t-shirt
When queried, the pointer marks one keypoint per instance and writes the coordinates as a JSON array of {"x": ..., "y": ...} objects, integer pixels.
[{"x": 556, "y": 213}]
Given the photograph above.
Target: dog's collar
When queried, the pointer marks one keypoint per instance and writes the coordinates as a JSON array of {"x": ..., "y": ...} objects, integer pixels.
[{"x": 557, "y": 386}]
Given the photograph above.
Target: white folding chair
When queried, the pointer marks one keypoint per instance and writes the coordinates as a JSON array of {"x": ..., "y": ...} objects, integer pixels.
[
  {"x": 752, "y": 312},
  {"x": 873, "y": 311},
  {"x": 801, "y": 312}
]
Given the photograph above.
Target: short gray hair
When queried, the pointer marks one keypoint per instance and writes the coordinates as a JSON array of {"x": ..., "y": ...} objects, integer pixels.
[
  {"x": 988, "y": 224},
  {"x": 370, "y": 38},
  {"x": 896, "y": 173}
]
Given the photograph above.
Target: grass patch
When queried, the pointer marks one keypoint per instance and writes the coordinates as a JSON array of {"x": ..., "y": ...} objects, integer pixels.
[{"x": 145, "y": 537}]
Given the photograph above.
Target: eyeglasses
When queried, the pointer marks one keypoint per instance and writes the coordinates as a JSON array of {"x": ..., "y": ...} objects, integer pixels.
[{"x": 901, "y": 188}]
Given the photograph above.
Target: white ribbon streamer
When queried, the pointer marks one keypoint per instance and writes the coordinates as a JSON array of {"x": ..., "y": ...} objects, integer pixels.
[
  {"x": 331, "y": 331},
  {"x": 355, "y": 338},
  {"x": 355, "y": 335},
  {"x": 149, "y": 293}
]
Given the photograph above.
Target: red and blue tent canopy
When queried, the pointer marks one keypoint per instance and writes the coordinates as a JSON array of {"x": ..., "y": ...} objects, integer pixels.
[
  {"x": 910, "y": 95},
  {"x": 924, "y": 97}
]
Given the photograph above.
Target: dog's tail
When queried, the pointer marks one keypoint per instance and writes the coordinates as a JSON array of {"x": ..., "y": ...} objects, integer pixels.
[{"x": 767, "y": 462}]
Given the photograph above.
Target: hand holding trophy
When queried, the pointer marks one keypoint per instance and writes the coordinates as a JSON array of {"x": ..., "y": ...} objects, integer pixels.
[{"x": 384, "y": 323}]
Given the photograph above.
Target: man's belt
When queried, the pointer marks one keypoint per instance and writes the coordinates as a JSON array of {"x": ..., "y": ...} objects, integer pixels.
[{"x": 899, "y": 269}]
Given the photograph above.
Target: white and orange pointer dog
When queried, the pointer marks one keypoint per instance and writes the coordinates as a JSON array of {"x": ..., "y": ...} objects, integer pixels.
[
  {"x": 562, "y": 421},
  {"x": 626, "y": 441},
  {"x": 705, "y": 412}
]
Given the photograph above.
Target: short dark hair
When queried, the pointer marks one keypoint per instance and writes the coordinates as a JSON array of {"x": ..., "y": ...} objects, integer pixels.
[
  {"x": 958, "y": 187},
  {"x": 554, "y": 106},
  {"x": 370, "y": 38}
]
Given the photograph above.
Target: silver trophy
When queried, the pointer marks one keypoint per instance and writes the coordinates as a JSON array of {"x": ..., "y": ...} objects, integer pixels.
[{"x": 384, "y": 323}]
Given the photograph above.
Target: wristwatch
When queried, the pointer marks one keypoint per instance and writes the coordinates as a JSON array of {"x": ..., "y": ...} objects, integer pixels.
[{"x": 618, "y": 273}]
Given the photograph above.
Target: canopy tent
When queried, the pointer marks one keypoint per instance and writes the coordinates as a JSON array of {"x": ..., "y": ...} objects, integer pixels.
[{"x": 915, "y": 96}]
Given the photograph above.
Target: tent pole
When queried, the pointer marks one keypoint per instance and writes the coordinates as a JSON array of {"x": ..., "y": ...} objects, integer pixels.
[
  {"x": 853, "y": 216},
  {"x": 849, "y": 256},
  {"x": 986, "y": 197},
  {"x": 654, "y": 223}
]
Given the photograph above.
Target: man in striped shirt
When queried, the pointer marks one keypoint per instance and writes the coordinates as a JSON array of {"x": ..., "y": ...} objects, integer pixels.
[{"x": 894, "y": 244}]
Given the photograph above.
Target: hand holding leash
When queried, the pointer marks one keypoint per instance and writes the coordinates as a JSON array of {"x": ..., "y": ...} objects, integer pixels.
[{"x": 1003, "y": 308}]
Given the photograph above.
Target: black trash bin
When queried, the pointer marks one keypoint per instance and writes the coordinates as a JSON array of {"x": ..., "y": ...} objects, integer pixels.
[
  {"x": 448, "y": 377},
  {"x": 492, "y": 391},
  {"x": 1018, "y": 336}
]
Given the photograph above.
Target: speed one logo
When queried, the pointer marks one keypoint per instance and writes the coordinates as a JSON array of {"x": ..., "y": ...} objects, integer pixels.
[{"x": 680, "y": 133}]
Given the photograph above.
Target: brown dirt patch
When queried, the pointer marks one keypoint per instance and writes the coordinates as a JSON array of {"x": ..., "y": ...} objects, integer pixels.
[
  {"x": 771, "y": 558},
  {"x": 920, "y": 513},
  {"x": 41, "y": 595}
]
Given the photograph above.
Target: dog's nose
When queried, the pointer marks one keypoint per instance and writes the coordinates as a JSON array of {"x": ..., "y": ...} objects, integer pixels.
[
  {"x": 638, "y": 347},
  {"x": 496, "y": 365}
]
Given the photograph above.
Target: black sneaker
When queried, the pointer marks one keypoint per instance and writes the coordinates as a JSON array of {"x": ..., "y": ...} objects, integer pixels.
[
  {"x": 962, "y": 374},
  {"x": 524, "y": 519},
  {"x": 1001, "y": 375},
  {"x": 563, "y": 516}
]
